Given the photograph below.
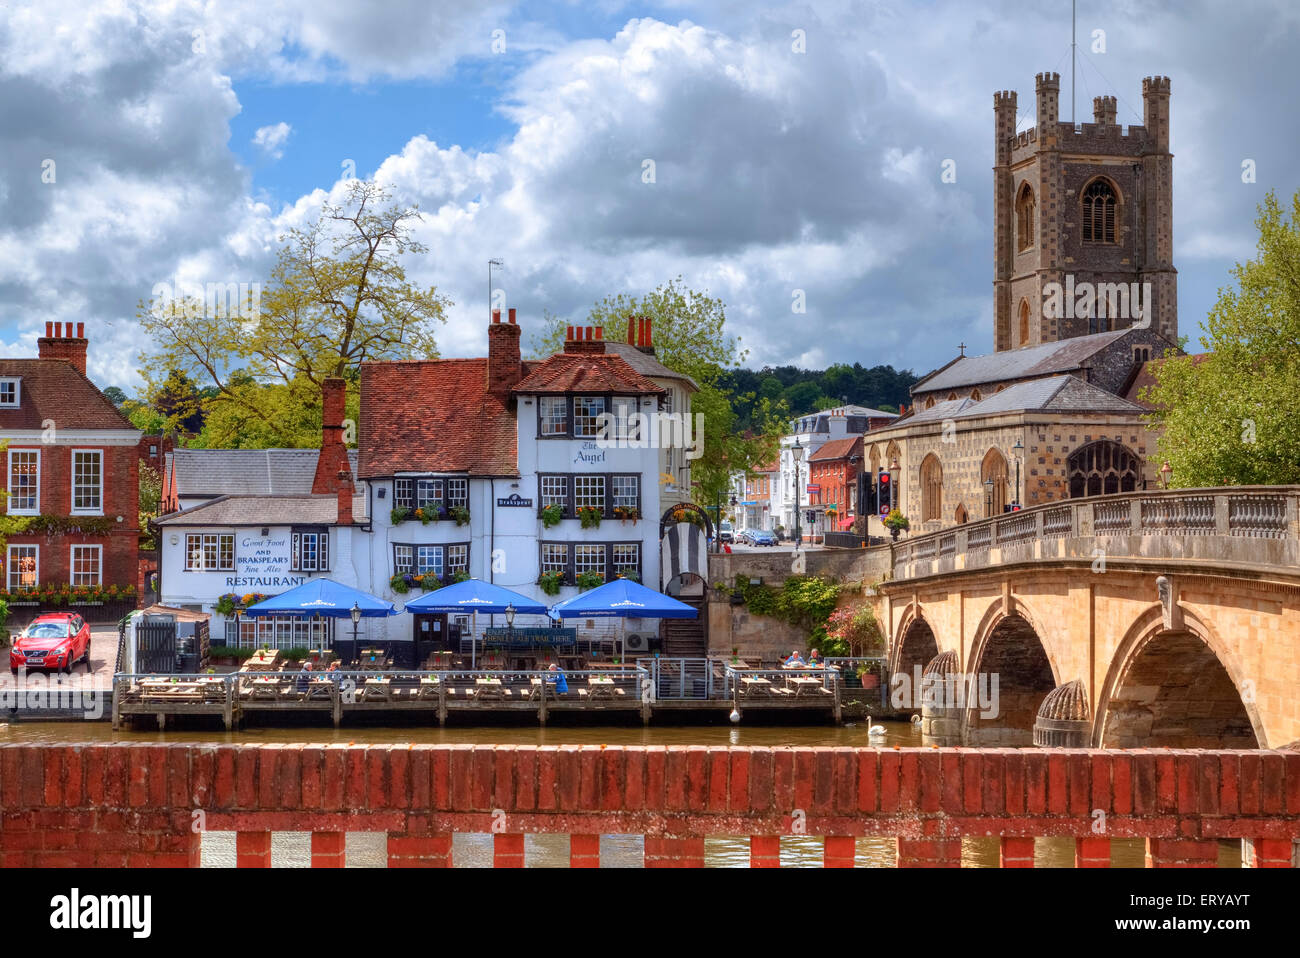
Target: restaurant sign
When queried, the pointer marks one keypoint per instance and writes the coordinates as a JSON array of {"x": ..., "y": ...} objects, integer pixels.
[
  {"x": 263, "y": 561},
  {"x": 514, "y": 501}
]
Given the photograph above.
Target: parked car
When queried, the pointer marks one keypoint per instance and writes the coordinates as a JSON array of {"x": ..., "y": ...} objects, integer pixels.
[
  {"x": 56, "y": 640},
  {"x": 725, "y": 533},
  {"x": 743, "y": 536},
  {"x": 761, "y": 537}
]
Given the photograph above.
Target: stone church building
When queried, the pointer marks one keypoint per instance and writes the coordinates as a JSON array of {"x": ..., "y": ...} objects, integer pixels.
[{"x": 1085, "y": 295}]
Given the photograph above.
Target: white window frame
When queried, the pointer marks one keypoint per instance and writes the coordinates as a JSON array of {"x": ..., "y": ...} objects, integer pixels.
[
  {"x": 546, "y": 413},
  {"x": 98, "y": 550},
  {"x": 17, "y": 383},
  {"x": 548, "y": 494},
  {"x": 622, "y": 500},
  {"x": 549, "y": 564},
  {"x": 457, "y": 493},
  {"x": 425, "y": 551},
  {"x": 99, "y": 455},
  {"x": 588, "y": 549},
  {"x": 587, "y": 411},
  {"x": 634, "y": 565},
  {"x": 456, "y": 558},
  {"x": 11, "y": 565},
  {"x": 320, "y": 561},
  {"x": 403, "y": 559},
  {"x": 201, "y": 565},
  {"x": 580, "y": 499},
  {"x": 625, "y": 426},
  {"x": 36, "y": 509}
]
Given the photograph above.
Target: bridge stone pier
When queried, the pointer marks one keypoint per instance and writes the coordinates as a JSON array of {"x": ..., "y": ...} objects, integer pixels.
[{"x": 1152, "y": 619}]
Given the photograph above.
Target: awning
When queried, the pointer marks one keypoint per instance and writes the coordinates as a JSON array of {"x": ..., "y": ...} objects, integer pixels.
[
  {"x": 323, "y": 597},
  {"x": 625, "y": 599},
  {"x": 474, "y": 595},
  {"x": 847, "y": 521},
  {"x": 683, "y": 549}
]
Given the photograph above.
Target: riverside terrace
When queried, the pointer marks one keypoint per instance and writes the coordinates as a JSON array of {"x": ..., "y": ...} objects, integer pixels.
[{"x": 638, "y": 690}]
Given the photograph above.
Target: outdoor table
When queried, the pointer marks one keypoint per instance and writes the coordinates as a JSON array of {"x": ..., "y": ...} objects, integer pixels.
[
  {"x": 377, "y": 688},
  {"x": 487, "y": 688},
  {"x": 754, "y": 684},
  {"x": 428, "y": 686},
  {"x": 600, "y": 686},
  {"x": 804, "y": 683}
]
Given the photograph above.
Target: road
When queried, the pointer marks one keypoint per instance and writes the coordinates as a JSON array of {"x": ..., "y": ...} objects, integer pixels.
[{"x": 103, "y": 656}]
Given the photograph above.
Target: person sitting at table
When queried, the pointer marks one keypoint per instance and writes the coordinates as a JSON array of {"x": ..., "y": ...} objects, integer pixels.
[
  {"x": 304, "y": 677},
  {"x": 555, "y": 676},
  {"x": 794, "y": 661},
  {"x": 814, "y": 660},
  {"x": 333, "y": 672}
]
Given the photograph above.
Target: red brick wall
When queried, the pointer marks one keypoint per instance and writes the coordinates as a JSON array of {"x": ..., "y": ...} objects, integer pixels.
[{"x": 129, "y": 804}]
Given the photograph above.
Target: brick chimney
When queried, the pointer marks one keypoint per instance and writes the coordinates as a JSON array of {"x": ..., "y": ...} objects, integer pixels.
[
  {"x": 585, "y": 339},
  {"x": 645, "y": 335},
  {"x": 60, "y": 343},
  {"x": 333, "y": 471},
  {"x": 504, "y": 369}
]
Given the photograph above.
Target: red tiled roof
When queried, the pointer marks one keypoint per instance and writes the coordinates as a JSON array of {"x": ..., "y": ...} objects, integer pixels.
[
  {"x": 835, "y": 449},
  {"x": 55, "y": 389},
  {"x": 434, "y": 416},
  {"x": 586, "y": 373}
]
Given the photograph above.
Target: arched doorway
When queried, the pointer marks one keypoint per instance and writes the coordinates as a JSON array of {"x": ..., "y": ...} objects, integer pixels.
[
  {"x": 1015, "y": 655},
  {"x": 1174, "y": 692},
  {"x": 960, "y": 516},
  {"x": 1102, "y": 468},
  {"x": 994, "y": 467}
]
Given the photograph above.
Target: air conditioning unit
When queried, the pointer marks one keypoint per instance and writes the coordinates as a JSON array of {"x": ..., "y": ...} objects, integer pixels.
[{"x": 637, "y": 642}]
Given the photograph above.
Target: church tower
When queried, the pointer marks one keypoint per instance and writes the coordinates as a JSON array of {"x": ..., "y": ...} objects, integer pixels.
[{"x": 1083, "y": 220}]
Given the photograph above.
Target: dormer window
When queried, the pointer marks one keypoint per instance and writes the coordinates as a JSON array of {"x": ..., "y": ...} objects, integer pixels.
[
  {"x": 587, "y": 411},
  {"x": 9, "y": 392}
]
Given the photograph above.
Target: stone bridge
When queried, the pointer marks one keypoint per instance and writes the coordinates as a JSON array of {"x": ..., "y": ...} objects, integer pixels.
[{"x": 1167, "y": 618}]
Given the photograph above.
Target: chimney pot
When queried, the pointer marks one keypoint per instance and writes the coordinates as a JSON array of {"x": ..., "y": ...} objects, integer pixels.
[
  {"x": 568, "y": 337},
  {"x": 649, "y": 331},
  {"x": 81, "y": 330},
  {"x": 631, "y": 330},
  {"x": 49, "y": 330},
  {"x": 512, "y": 315},
  {"x": 496, "y": 315},
  {"x": 600, "y": 332},
  {"x": 587, "y": 334}
]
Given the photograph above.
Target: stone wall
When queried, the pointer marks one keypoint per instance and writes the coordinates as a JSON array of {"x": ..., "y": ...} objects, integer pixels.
[{"x": 762, "y": 637}]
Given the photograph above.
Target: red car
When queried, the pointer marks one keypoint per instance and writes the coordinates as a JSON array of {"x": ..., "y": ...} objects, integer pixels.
[{"x": 56, "y": 640}]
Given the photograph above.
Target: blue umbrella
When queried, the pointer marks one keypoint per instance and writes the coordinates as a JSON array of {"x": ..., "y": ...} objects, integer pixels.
[
  {"x": 324, "y": 598},
  {"x": 623, "y": 598},
  {"x": 475, "y": 596}
]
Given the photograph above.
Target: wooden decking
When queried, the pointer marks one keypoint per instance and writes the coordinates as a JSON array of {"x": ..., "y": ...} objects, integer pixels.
[{"x": 603, "y": 693}]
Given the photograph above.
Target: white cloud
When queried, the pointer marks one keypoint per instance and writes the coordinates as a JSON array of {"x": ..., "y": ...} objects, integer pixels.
[{"x": 270, "y": 139}]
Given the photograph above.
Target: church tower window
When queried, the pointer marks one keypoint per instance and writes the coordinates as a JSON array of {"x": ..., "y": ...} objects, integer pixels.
[
  {"x": 1099, "y": 203},
  {"x": 1024, "y": 218}
]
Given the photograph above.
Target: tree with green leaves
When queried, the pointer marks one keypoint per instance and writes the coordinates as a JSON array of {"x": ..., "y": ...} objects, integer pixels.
[
  {"x": 1229, "y": 417},
  {"x": 338, "y": 296}
]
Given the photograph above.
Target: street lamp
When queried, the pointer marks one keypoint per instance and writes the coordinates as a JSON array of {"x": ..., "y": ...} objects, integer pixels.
[
  {"x": 1019, "y": 450},
  {"x": 239, "y": 633},
  {"x": 355, "y": 613},
  {"x": 1165, "y": 472},
  {"x": 852, "y": 492},
  {"x": 797, "y": 452},
  {"x": 988, "y": 496}
]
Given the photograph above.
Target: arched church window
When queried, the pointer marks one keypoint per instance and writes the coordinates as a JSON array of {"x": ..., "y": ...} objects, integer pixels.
[
  {"x": 1099, "y": 206},
  {"x": 931, "y": 488},
  {"x": 994, "y": 467},
  {"x": 1102, "y": 468},
  {"x": 1024, "y": 218},
  {"x": 1024, "y": 323}
]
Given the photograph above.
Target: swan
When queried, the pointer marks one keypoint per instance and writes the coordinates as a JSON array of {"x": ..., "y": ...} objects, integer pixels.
[
  {"x": 916, "y": 720},
  {"x": 874, "y": 729}
]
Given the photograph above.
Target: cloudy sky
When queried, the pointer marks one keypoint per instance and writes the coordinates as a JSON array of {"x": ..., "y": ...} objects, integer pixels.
[{"x": 795, "y": 146}]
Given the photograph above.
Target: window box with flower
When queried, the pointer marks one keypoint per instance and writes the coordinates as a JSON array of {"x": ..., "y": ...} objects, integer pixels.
[
  {"x": 589, "y": 580},
  {"x": 459, "y": 513},
  {"x": 551, "y": 515},
  {"x": 590, "y": 516},
  {"x": 551, "y": 582},
  {"x": 625, "y": 513}
]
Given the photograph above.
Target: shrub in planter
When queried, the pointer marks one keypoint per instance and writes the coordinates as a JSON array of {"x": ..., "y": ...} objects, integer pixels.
[
  {"x": 590, "y": 516},
  {"x": 628, "y": 573},
  {"x": 624, "y": 513},
  {"x": 296, "y": 654},
  {"x": 551, "y": 582},
  {"x": 460, "y": 514},
  {"x": 551, "y": 515},
  {"x": 589, "y": 580},
  {"x": 460, "y": 576},
  {"x": 398, "y": 584},
  {"x": 399, "y": 515}
]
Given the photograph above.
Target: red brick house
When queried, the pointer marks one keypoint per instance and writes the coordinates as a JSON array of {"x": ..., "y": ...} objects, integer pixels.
[
  {"x": 70, "y": 473},
  {"x": 833, "y": 472}
]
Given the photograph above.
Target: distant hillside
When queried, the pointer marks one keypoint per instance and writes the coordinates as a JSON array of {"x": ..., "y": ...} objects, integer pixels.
[{"x": 808, "y": 390}]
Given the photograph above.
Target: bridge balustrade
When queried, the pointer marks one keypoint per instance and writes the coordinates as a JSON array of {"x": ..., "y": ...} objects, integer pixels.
[{"x": 1249, "y": 526}]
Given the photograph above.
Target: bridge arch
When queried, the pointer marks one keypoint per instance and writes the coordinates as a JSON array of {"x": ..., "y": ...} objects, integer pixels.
[
  {"x": 915, "y": 644},
  {"x": 1175, "y": 688},
  {"x": 1008, "y": 645}
]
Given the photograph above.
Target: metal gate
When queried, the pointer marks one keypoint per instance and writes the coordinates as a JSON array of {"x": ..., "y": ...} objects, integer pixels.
[{"x": 155, "y": 645}]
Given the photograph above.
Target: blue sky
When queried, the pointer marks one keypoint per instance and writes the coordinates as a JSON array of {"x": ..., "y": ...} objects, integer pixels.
[{"x": 189, "y": 136}]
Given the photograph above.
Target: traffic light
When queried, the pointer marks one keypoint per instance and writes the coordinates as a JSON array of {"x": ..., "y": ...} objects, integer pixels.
[
  {"x": 810, "y": 517},
  {"x": 885, "y": 497}
]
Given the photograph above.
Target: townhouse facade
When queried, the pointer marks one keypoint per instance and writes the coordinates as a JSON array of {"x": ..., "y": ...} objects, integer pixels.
[{"x": 71, "y": 480}]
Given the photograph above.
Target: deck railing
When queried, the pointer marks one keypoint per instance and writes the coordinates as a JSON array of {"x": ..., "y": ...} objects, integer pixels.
[
  {"x": 1249, "y": 526},
  {"x": 136, "y": 805}
]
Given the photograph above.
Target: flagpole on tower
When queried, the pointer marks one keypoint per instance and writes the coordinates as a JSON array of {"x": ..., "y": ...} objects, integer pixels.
[{"x": 1074, "y": 22}]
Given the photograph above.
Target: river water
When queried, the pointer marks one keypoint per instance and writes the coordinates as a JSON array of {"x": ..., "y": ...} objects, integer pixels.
[{"x": 292, "y": 849}]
